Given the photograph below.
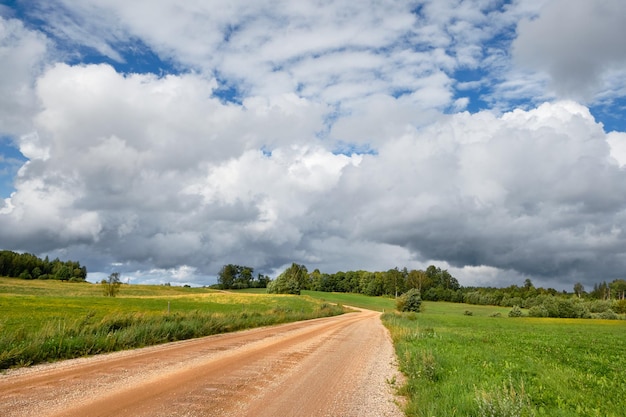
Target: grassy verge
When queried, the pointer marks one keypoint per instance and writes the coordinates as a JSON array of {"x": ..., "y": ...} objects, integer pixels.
[
  {"x": 50, "y": 320},
  {"x": 490, "y": 365}
]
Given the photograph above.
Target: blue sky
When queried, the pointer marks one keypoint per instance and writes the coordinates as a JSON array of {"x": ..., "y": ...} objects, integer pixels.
[{"x": 163, "y": 140}]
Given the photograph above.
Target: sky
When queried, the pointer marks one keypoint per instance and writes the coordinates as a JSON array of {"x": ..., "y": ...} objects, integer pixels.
[{"x": 164, "y": 139}]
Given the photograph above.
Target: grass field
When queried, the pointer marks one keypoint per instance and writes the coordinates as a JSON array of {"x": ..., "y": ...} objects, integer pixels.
[
  {"x": 479, "y": 365},
  {"x": 357, "y": 300},
  {"x": 381, "y": 304},
  {"x": 456, "y": 364},
  {"x": 49, "y": 320}
]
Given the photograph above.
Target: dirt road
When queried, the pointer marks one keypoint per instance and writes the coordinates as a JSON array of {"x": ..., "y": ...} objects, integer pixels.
[{"x": 338, "y": 366}]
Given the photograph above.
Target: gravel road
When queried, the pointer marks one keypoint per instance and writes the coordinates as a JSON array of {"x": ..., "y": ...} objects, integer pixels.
[{"x": 338, "y": 366}]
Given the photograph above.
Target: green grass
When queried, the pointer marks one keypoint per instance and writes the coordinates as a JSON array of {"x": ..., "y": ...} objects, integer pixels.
[
  {"x": 252, "y": 290},
  {"x": 356, "y": 300},
  {"x": 49, "y": 320},
  {"x": 461, "y": 365},
  {"x": 486, "y": 364}
]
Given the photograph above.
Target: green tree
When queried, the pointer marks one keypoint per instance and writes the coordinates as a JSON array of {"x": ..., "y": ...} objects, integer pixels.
[
  {"x": 36, "y": 273},
  {"x": 409, "y": 301},
  {"x": 618, "y": 289},
  {"x": 227, "y": 275},
  {"x": 315, "y": 278},
  {"x": 63, "y": 273},
  {"x": 394, "y": 282},
  {"x": 292, "y": 281},
  {"x": 29, "y": 266},
  {"x": 375, "y": 284},
  {"x": 579, "y": 289},
  {"x": 261, "y": 281},
  {"x": 235, "y": 276},
  {"x": 442, "y": 278},
  {"x": 244, "y": 278},
  {"x": 417, "y": 279},
  {"x": 601, "y": 291},
  {"x": 111, "y": 285}
]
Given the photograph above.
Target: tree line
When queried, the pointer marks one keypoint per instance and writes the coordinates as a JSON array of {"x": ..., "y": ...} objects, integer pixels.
[
  {"x": 239, "y": 277},
  {"x": 29, "y": 266},
  {"x": 436, "y": 284}
]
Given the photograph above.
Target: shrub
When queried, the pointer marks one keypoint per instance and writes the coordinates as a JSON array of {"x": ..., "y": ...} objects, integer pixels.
[
  {"x": 291, "y": 281},
  {"x": 515, "y": 312},
  {"x": 511, "y": 302},
  {"x": 619, "y": 306},
  {"x": 568, "y": 309},
  {"x": 599, "y": 306},
  {"x": 409, "y": 301},
  {"x": 607, "y": 315},
  {"x": 560, "y": 308},
  {"x": 551, "y": 307},
  {"x": 111, "y": 285},
  {"x": 538, "y": 311}
]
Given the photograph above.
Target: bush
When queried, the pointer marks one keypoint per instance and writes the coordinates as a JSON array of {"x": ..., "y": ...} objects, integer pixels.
[
  {"x": 515, "y": 312},
  {"x": 551, "y": 307},
  {"x": 569, "y": 309},
  {"x": 291, "y": 281},
  {"x": 607, "y": 315},
  {"x": 511, "y": 302},
  {"x": 560, "y": 308},
  {"x": 619, "y": 306},
  {"x": 111, "y": 285},
  {"x": 599, "y": 306},
  {"x": 409, "y": 301},
  {"x": 538, "y": 311}
]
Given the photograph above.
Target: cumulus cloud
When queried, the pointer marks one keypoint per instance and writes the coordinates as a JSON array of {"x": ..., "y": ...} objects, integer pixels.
[
  {"x": 617, "y": 142},
  {"x": 164, "y": 172},
  {"x": 578, "y": 43},
  {"x": 530, "y": 191},
  {"x": 335, "y": 52},
  {"x": 347, "y": 146},
  {"x": 22, "y": 57}
]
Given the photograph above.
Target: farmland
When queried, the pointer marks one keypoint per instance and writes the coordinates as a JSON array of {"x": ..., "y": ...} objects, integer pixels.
[
  {"x": 487, "y": 364},
  {"x": 458, "y": 359},
  {"x": 49, "y": 320},
  {"x": 470, "y": 360}
]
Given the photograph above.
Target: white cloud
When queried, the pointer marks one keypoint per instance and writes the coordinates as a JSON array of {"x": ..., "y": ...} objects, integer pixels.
[
  {"x": 22, "y": 56},
  {"x": 336, "y": 52},
  {"x": 531, "y": 191},
  {"x": 617, "y": 142},
  {"x": 158, "y": 175},
  {"x": 576, "y": 42},
  {"x": 182, "y": 275},
  {"x": 110, "y": 147}
]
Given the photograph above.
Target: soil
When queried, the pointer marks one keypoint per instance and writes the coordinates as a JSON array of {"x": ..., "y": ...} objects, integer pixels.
[{"x": 338, "y": 366}]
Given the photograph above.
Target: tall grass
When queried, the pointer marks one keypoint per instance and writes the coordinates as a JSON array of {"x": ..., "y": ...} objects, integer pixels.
[
  {"x": 70, "y": 338},
  {"x": 462, "y": 365},
  {"x": 36, "y": 327}
]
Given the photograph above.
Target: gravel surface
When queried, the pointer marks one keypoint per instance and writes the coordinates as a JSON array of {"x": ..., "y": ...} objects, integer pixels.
[{"x": 339, "y": 366}]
